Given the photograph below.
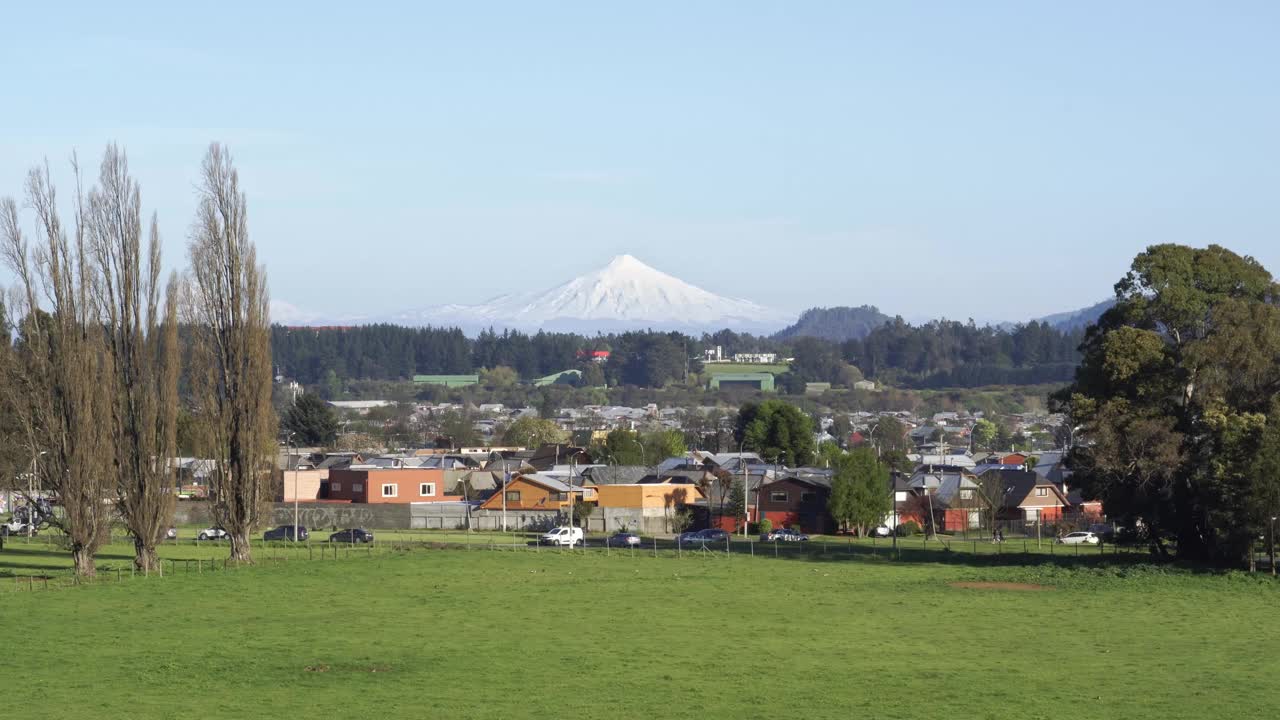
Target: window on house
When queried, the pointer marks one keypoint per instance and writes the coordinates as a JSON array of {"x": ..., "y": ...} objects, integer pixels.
[
  {"x": 778, "y": 496},
  {"x": 1042, "y": 492},
  {"x": 427, "y": 489},
  {"x": 335, "y": 487},
  {"x": 966, "y": 494},
  {"x": 513, "y": 496},
  {"x": 389, "y": 490},
  {"x": 357, "y": 487}
]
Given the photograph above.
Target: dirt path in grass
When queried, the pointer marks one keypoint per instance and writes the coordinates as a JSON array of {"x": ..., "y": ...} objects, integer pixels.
[{"x": 1024, "y": 587}]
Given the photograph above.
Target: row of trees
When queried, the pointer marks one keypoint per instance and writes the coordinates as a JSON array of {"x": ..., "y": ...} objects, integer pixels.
[
  {"x": 90, "y": 377},
  {"x": 937, "y": 354}
]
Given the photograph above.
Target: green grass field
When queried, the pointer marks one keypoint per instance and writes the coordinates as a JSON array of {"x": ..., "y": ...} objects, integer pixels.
[
  {"x": 729, "y": 368},
  {"x": 550, "y": 634}
]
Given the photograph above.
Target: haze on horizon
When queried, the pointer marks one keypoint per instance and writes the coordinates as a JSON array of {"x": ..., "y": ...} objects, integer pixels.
[{"x": 988, "y": 160}]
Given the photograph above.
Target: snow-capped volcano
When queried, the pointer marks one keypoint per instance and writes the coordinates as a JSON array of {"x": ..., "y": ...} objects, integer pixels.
[{"x": 624, "y": 294}]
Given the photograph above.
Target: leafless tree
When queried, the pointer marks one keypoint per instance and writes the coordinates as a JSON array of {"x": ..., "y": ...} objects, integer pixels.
[
  {"x": 231, "y": 355},
  {"x": 55, "y": 377},
  {"x": 141, "y": 342}
]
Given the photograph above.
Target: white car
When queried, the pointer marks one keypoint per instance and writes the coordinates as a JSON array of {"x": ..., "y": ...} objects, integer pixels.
[
  {"x": 563, "y": 535},
  {"x": 15, "y": 527},
  {"x": 213, "y": 533},
  {"x": 881, "y": 531},
  {"x": 1079, "y": 538}
]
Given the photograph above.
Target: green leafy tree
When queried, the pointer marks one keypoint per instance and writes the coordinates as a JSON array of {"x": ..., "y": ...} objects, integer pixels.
[
  {"x": 312, "y": 422},
  {"x": 499, "y": 377},
  {"x": 332, "y": 387},
  {"x": 622, "y": 447},
  {"x": 528, "y": 431},
  {"x": 984, "y": 434},
  {"x": 776, "y": 430},
  {"x": 662, "y": 444},
  {"x": 582, "y": 511},
  {"x": 1172, "y": 397},
  {"x": 458, "y": 428},
  {"x": 860, "y": 493}
]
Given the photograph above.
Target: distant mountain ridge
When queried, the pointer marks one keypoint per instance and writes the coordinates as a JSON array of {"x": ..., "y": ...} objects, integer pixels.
[
  {"x": 836, "y": 324},
  {"x": 1077, "y": 319}
]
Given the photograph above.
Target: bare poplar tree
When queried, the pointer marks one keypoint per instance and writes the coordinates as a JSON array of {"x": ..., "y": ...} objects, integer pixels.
[
  {"x": 231, "y": 353},
  {"x": 141, "y": 342},
  {"x": 55, "y": 375}
]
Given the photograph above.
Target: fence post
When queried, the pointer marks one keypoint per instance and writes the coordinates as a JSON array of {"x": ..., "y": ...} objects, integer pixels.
[
  {"x": 655, "y": 547},
  {"x": 775, "y": 547}
]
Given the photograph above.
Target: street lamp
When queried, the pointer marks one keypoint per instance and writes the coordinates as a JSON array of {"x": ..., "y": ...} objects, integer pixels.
[{"x": 294, "y": 461}]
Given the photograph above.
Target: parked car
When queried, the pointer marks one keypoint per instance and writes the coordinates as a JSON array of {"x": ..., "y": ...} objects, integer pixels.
[
  {"x": 689, "y": 537},
  {"x": 1105, "y": 531},
  {"x": 715, "y": 535},
  {"x": 881, "y": 531},
  {"x": 352, "y": 535},
  {"x": 171, "y": 534},
  {"x": 624, "y": 539},
  {"x": 702, "y": 537},
  {"x": 1079, "y": 538},
  {"x": 285, "y": 532},
  {"x": 213, "y": 533},
  {"x": 16, "y": 527},
  {"x": 563, "y": 535},
  {"x": 785, "y": 535}
]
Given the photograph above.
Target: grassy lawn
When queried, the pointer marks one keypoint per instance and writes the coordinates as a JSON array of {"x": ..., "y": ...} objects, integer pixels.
[
  {"x": 42, "y": 556},
  {"x": 729, "y": 368},
  {"x": 458, "y": 634}
]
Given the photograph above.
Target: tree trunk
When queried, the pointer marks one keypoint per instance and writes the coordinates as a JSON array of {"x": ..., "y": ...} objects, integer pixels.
[
  {"x": 145, "y": 557},
  {"x": 241, "y": 550},
  {"x": 83, "y": 561}
]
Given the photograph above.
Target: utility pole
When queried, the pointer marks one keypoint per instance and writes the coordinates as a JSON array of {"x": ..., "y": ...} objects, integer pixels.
[
  {"x": 571, "y": 469},
  {"x": 294, "y": 462},
  {"x": 746, "y": 505}
]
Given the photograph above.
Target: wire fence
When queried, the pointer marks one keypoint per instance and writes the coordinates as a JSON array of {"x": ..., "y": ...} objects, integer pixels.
[{"x": 921, "y": 548}]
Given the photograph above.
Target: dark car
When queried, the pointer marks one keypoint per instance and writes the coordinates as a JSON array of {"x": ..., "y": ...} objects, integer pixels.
[
  {"x": 624, "y": 539},
  {"x": 785, "y": 535},
  {"x": 714, "y": 535},
  {"x": 352, "y": 535},
  {"x": 285, "y": 532}
]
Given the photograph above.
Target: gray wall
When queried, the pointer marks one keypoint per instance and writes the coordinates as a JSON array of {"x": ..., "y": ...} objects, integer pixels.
[{"x": 432, "y": 516}]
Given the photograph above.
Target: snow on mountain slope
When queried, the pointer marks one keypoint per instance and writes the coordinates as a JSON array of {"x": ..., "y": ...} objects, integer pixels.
[{"x": 626, "y": 293}]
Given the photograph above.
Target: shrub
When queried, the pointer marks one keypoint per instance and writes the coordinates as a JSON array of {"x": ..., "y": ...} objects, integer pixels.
[
  {"x": 762, "y": 527},
  {"x": 908, "y": 528}
]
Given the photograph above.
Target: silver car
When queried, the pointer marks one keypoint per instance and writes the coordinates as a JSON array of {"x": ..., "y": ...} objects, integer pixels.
[{"x": 624, "y": 539}]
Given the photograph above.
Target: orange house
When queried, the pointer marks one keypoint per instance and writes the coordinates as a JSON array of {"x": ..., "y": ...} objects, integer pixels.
[
  {"x": 389, "y": 485},
  {"x": 647, "y": 495},
  {"x": 538, "y": 492}
]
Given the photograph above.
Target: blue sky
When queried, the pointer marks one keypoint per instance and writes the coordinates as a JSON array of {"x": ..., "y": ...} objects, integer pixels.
[{"x": 990, "y": 160}]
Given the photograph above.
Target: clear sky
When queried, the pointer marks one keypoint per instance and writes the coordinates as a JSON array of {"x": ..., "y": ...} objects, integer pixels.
[{"x": 968, "y": 159}]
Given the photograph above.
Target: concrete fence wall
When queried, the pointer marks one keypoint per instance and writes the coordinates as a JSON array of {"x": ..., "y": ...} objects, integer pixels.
[{"x": 435, "y": 516}]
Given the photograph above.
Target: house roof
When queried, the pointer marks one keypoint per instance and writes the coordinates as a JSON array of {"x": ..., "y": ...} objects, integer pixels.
[
  {"x": 615, "y": 474},
  {"x": 1020, "y": 483}
]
